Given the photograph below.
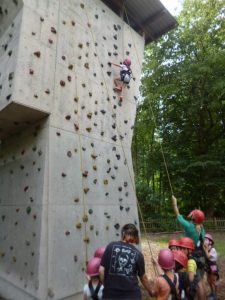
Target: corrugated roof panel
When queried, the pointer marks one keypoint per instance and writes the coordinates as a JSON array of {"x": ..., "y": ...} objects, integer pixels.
[{"x": 145, "y": 16}]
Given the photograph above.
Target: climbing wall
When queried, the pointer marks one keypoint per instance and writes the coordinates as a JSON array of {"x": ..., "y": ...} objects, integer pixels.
[{"x": 66, "y": 181}]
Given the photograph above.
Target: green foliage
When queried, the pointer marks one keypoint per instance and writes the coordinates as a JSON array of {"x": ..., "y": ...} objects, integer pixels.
[{"x": 183, "y": 111}]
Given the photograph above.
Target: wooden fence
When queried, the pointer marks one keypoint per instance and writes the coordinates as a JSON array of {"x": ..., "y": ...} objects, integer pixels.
[{"x": 169, "y": 225}]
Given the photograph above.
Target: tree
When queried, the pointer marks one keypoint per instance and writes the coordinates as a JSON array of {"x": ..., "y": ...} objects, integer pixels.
[{"x": 183, "y": 110}]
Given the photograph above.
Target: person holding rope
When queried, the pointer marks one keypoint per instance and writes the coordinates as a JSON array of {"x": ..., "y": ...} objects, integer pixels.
[
  {"x": 121, "y": 265},
  {"x": 194, "y": 229}
]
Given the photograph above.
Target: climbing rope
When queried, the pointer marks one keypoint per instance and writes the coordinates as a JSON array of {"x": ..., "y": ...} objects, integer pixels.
[
  {"x": 153, "y": 115},
  {"x": 118, "y": 132},
  {"x": 161, "y": 147}
]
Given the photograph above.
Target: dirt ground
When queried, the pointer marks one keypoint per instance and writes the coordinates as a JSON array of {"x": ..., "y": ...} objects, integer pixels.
[{"x": 150, "y": 247}]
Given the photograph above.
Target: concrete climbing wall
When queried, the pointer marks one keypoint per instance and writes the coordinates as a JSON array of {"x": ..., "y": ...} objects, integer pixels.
[{"x": 66, "y": 181}]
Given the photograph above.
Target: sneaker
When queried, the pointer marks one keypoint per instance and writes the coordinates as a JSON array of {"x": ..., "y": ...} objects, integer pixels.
[{"x": 118, "y": 89}]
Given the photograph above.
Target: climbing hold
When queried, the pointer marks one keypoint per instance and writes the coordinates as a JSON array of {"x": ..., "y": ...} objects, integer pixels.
[
  {"x": 89, "y": 115},
  {"x": 95, "y": 181},
  {"x": 76, "y": 200},
  {"x": 86, "y": 239},
  {"x": 105, "y": 181},
  {"x": 28, "y": 210},
  {"x": 70, "y": 67},
  {"x": 69, "y": 153},
  {"x": 117, "y": 226},
  {"x": 76, "y": 127},
  {"x": 86, "y": 190},
  {"x": 68, "y": 117},
  {"x": 80, "y": 46},
  {"x": 103, "y": 111},
  {"x": 114, "y": 138},
  {"x": 85, "y": 218},
  {"x": 78, "y": 225},
  {"x": 37, "y": 54},
  {"x": 47, "y": 91},
  {"x": 63, "y": 174},
  {"x": 8, "y": 97},
  {"x": 86, "y": 65},
  {"x": 88, "y": 129},
  {"x": 62, "y": 83},
  {"x": 53, "y": 30},
  {"x": 26, "y": 188},
  {"x": 85, "y": 174},
  {"x": 95, "y": 168}
]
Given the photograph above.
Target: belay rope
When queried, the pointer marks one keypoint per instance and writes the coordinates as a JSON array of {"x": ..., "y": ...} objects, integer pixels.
[{"x": 118, "y": 132}]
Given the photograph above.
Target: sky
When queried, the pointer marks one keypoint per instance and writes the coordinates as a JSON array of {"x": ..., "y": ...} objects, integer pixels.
[{"x": 173, "y": 6}]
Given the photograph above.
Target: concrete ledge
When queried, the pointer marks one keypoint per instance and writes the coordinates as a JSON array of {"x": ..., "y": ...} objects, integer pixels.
[{"x": 15, "y": 117}]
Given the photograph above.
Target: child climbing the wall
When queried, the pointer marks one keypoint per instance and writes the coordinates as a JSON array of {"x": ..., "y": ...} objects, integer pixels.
[
  {"x": 211, "y": 265},
  {"x": 93, "y": 289},
  {"x": 125, "y": 76}
]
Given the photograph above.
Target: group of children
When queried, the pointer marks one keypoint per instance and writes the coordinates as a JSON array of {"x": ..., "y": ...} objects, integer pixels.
[
  {"x": 182, "y": 270},
  {"x": 182, "y": 266},
  {"x": 178, "y": 267}
]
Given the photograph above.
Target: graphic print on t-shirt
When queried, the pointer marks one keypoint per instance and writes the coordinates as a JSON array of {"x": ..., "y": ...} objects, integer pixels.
[{"x": 123, "y": 261}]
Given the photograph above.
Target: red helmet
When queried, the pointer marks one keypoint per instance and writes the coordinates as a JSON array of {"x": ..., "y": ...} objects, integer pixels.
[
  {"x": 93, "y": 266},
  {"x": 198, "y": 216},
  {"x": 99, "y": 252},
  {"x": 209, "y": 237},
  {"x": 127, "y": 62},
  {"x": 186, "y": 242},
  {"x": 180, "y": 257},
  {"x": 166, "y": 259},
  {"x": 175, "y": 243}
]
